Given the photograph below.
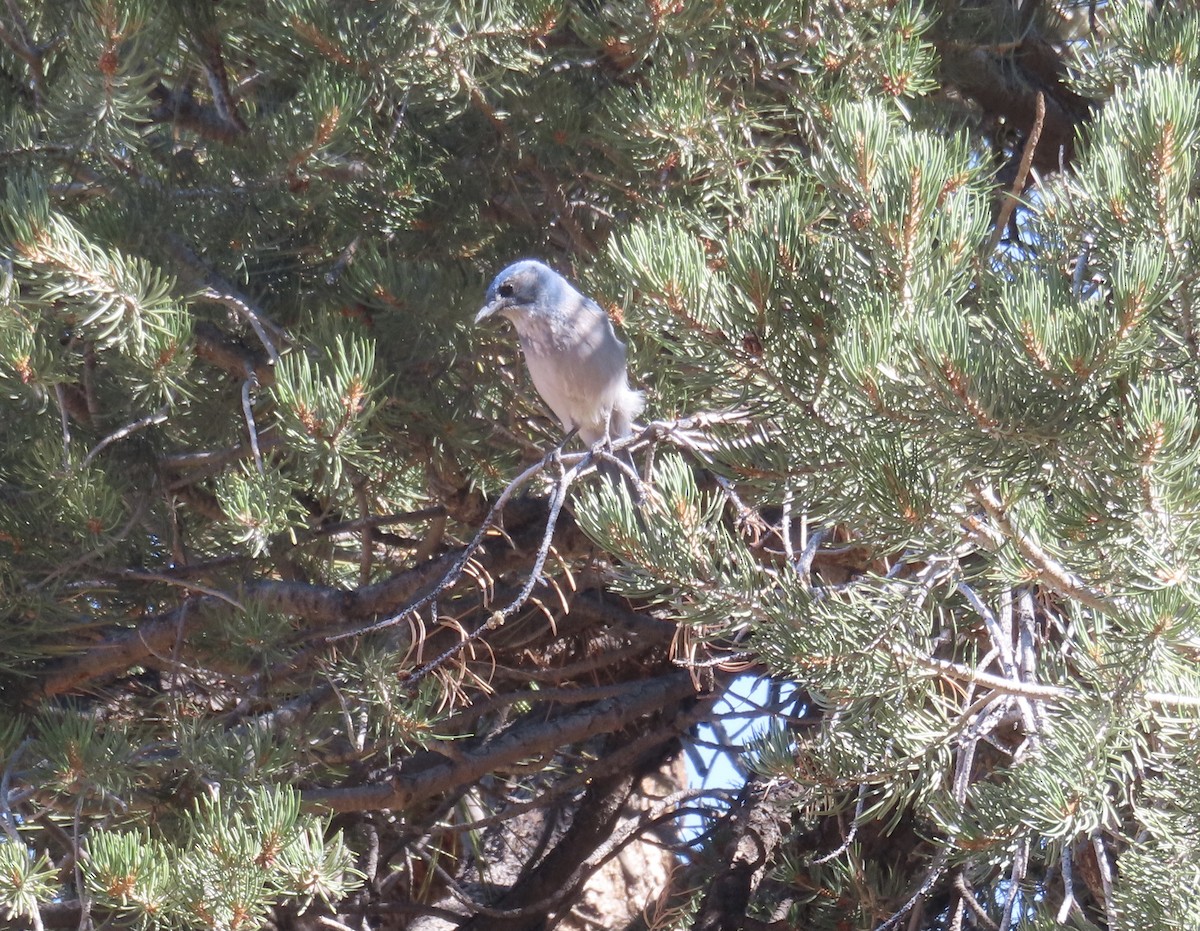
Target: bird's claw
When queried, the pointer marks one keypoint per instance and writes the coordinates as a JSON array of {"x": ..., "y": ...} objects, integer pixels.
[{"x": 554, "y": 453}]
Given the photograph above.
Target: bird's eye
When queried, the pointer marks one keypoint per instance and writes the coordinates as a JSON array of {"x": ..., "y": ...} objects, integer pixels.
[{"x": 506, "y": 290}]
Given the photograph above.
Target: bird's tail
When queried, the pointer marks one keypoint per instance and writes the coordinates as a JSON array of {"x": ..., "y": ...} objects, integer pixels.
[{"x": 624, "y": 411}]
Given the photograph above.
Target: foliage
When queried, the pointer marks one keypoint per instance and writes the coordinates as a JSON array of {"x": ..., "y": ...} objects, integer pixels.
[{"x": 302, "y": 624}]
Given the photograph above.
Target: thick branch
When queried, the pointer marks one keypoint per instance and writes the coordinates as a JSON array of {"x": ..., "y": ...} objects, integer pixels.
[
  {"x": 555, "y": 882},
  {"x": 755, "y": 833},
  {"x": 532, "y": 736},
  {"x": 319, "y": 604}
]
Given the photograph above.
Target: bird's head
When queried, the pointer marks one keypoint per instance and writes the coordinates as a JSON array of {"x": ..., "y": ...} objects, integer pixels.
[{"x": 523, "y": 290}]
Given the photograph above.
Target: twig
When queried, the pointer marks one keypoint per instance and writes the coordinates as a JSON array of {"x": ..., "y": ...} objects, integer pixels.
[
  {"x": 378, "y": 520},
  {"x": 343, "y": 261},
  {"x": 85, "y": 902},
  {"x": 24, "y": 48},
  {"x": 1001, "y": 636},
  {"x": 218, "y": 79},
  {"x": 1012, "y": 196},
  {"x": 534, "y": 576},
  {"x": 1106, "y": 880},
  {"x": 66, "y": 426},
  {"x": 578, "y": 463},
  {"x": 720, "y": 662},
  {"x": 149, "y": 420},
  {"x": 229, "y": 354},
  {"x": 182, "y": 583},
  {"x": 1002, "y": 643},
  {"x": 785, "y": 525},
  {"x": 976, "y": 677},
  {"x": 456, "y": 569},
  {"x": 1026, "y": 616},
  {"x": 6, "y": 815},
  {"x": 1049, "y": 569},
  {"x": 193, "y": 467},
  {"x": 967, "y": 896},
  {"x": 1081, "y": 264},
  {"x": 935, "y": 871},
  {"x": 850, "y": 834},
  {"x": 367, "y": 548},
  {"x": 218, "y": 289},
  {"x": 1035, "y": 691},
  {"x": 1020, "y": 861},
  {"x": 808, "y": 554},
  {"x": 249, "y": 385},
  {"x": 1068, "y": 902},
  {"x": 747, "y": 516},
  {"x": 333, "y": 923}
]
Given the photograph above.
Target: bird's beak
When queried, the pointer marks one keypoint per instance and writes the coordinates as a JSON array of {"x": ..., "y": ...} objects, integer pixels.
[{"x": 486, "y": 311}]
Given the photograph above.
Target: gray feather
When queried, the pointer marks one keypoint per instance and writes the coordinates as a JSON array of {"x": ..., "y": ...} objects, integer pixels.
[{"x": 574, "y": 357}]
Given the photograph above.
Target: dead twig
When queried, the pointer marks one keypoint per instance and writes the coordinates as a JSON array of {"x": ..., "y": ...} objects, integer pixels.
[{"x": 1013, "y": 196}]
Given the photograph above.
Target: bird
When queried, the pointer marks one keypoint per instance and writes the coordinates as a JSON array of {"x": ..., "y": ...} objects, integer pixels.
[{"x": 577, "y": 363}]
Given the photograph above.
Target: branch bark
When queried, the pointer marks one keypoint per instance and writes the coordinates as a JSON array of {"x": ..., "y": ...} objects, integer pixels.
[
  {"x": 754, "y": 834},
  {"x": 530, "y": 736},
  {"x": 319, "y": 604}
]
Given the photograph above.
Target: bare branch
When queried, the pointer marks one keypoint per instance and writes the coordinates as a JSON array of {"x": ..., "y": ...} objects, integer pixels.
[
  {"x": 1050, "y": 570},
  {"x": 216, "y": 288},
  {"x": 159, "y": 416},
  {"x": 1013, "y": 196},
  {"x": 315, "y": 603}
]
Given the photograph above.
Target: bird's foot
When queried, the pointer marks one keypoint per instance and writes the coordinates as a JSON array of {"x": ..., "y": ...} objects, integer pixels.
[{"x": 554, "y": 453}]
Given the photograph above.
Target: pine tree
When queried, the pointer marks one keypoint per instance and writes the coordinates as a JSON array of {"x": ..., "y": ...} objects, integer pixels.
[{"x": 309, "y": 622}]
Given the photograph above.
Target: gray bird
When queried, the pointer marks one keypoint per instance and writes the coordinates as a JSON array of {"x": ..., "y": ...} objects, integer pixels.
[{"x": 574, "y": 357}]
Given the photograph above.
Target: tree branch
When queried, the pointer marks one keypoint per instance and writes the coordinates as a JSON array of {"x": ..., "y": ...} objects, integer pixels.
[
  {"x": 320, "y": 604},
  {"x": 1050, "y": 570},
  {"x": 531, "y": 736}
]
